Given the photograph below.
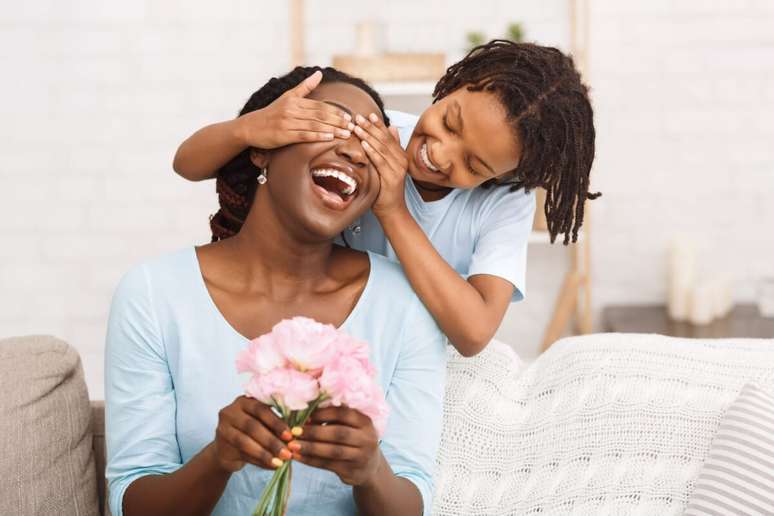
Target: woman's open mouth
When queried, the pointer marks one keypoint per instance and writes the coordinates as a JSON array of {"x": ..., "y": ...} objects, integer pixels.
[{"x": 335, "y": 187}]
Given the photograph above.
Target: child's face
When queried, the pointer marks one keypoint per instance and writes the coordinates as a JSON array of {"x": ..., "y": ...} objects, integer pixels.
[{"x": 466, "y": 139}]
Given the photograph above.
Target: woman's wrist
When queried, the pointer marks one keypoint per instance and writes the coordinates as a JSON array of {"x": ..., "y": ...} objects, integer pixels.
[
  {"x": 210, "y": 456},
  {"x": 381, "y": 473}
]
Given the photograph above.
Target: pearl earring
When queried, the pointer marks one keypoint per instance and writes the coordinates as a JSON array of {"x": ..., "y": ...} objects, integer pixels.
[{"x": 262, "y": 177}]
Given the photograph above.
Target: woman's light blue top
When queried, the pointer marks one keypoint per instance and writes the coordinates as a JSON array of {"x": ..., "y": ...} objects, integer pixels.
[
  {"x": 170, "y": 367},
  {"x": 478, "y": 231}
]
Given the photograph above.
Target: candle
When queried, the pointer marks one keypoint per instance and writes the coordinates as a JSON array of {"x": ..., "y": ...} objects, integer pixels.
[
  {"x": 682, "y": 273},
  {"x": 702, "y": 309},
  {"x": 721, "y": 297}
]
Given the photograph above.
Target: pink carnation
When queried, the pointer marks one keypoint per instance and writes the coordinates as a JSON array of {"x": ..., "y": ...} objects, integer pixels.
[
  {"x": 260, "y": 357},
  {"x": 305, "y": 343},
  {"x": 350, "y": 381},
  {"x": 288, "y": 387}
]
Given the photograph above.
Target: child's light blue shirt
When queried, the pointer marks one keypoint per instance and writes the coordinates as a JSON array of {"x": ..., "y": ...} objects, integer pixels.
[
  {"x": 478, "y": 231},
  {"x": 170, "y": 367}
]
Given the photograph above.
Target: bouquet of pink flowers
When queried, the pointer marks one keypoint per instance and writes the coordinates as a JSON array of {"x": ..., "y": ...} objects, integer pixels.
[{"x": 302, "y": 365}]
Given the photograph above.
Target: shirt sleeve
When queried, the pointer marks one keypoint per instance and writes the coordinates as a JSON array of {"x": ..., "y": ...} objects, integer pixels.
[
  {"x": 415, "y": 396},
  {"x": 139, "y": 396},
  {"x": 501, "y": 246}
]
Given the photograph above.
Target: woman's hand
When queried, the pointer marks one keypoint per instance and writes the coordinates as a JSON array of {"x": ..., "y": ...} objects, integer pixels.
[
  {"x": 248, "y": 431},
  {"x": 341, "y": 440},
  {"x": 383, "y": 148},
  {"x": 292, "y": 118}
]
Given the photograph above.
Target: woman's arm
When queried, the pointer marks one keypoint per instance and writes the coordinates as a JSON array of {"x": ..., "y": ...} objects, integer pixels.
[
  {"x": 247, "y": 433},
  {"x": 291, "y": 118},
  {"x": 344, "y": 441},
  {"x": 195, "y": 488},
  {"x": 469, "y": 312},
  {"x": 145, "y": 470}
]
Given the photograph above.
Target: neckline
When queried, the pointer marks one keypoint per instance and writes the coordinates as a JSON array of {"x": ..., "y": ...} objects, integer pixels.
[
  {"x": 429, "y": 206},
  {"x": 204, "y": 291}
]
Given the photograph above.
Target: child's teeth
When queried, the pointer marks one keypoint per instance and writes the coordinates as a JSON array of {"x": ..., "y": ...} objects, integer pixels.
[{"x": 426, "y": 158}]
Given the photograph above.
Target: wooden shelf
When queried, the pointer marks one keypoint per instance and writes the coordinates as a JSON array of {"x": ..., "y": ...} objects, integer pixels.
[
  {"x": 744, "y": 321},
  {"x": 392, "y": 89}
]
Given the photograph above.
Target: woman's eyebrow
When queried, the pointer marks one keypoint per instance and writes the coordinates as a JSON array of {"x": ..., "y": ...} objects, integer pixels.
[
  {"x": 344, "y": 108},
  {"x": 461, "y": 122}
]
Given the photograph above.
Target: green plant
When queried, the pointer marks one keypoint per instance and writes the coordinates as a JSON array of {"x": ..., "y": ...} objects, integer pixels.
[
  {"x": 514, "y": 32},
  {"x": 475, "y": 39}
]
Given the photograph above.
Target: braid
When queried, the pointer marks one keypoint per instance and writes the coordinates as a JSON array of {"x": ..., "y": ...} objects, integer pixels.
[
  {"x": 237, "y": 180},
  {"x": 548, "y": 108}
]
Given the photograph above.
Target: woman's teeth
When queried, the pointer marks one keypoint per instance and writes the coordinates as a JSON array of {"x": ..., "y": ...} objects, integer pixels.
[
  {"x": 344, "y": 178},
  {"x": 426, "y": 158}
]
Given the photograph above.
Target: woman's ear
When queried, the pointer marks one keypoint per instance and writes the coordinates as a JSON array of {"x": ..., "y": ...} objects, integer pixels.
[{"x": 260, "y": 158}]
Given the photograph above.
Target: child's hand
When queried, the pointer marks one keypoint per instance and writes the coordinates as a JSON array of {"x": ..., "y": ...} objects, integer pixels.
[
  {"x": 346, "y": 444},
  {"x": 389, "y": 158},
  {"x": 292, "y": 118}
]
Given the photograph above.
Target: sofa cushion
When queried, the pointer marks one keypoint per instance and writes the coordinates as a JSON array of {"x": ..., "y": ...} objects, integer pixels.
[
  {"x": 46, "y": 459},
  {"x": 599, "y": 424},
  {"x": 738, "y": 476}
]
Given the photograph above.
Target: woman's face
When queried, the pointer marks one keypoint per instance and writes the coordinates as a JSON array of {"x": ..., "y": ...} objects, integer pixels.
[
  {"x": 462, "y": 141},
  {"x": 323, "y": 186}
]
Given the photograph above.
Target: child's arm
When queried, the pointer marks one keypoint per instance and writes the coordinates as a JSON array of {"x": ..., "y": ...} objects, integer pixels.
[
  {"x": 468, "y": 311},
  {"x": 289, "y": 119}
]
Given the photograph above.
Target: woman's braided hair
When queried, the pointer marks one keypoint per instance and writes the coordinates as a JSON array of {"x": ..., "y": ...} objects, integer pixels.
[
  {"x": 548, "y": 107},
  {"x": 237, "y": 180}
]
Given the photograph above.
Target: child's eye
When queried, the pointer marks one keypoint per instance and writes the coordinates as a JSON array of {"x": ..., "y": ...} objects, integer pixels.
[{"x": 446, "y": 122}]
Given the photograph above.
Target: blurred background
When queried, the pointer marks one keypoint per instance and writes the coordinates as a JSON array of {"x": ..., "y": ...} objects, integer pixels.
[{"x": 96, "y": 97}]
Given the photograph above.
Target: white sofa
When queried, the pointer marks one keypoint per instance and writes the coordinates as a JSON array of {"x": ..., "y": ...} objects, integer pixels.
[{"x": 600, "y": 424}]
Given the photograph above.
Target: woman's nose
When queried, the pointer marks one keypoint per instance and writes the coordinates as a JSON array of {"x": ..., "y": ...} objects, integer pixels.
[{"x": 352, "y": 151}]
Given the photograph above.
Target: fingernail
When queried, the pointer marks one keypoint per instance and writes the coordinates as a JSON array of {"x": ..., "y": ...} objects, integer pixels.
[
  {"x": 359, "y": 130},
  {"x": 294, "y": 446},
  {"x": 285, "y": 454},
  {"x": 286, "y": 435},
  {"x": 342, "y": 133},
  {"x": 327, "y": 136},
  {"x": 373, "y": 118},
  {"x": 351, "y": 126},
  {"x": 347, "y": 117},
  {"x": 297, "y": 456},
  {"x": 276, "y": 462},
  {"x": 359, "y": 119},
  {"x": 366, "y": 147},
  {"x": 297, "y": 431}
]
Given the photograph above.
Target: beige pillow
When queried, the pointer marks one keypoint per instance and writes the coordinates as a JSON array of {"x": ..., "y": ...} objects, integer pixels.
[{"x": 46, "y": 459}]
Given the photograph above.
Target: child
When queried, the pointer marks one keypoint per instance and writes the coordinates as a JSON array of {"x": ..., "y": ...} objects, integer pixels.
[{"x": 507, "y": 118}]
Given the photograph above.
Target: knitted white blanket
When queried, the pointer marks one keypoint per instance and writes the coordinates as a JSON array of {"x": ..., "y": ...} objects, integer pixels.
[{"x": 602, "y": 424}]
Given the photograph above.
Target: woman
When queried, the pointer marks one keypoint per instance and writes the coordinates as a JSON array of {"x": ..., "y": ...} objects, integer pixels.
[
  {"x": 507, "y": 118},
  {"x": 181, "y": 440}
]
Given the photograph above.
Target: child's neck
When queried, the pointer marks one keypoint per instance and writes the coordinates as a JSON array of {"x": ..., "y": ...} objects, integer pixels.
[{"x": 430, "y": 192}]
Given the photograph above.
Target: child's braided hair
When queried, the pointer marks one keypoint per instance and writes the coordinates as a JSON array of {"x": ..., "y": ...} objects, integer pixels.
[
  {"x": 548, "y": 107},
  {"x": 237, "y": 180}
]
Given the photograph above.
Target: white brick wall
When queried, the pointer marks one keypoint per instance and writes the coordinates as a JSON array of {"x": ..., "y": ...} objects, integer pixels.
[
  {"x": 97, "y": 95},
  {"x": 684, "y": 141}
]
